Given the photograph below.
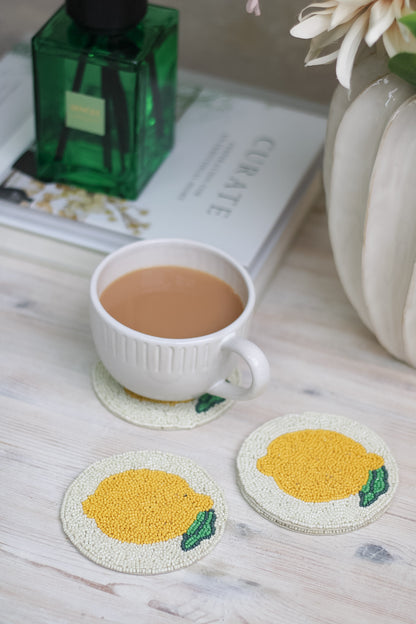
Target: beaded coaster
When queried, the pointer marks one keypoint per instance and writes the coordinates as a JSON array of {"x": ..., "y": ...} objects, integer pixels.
[
  {"x": 155, "y": 414},
  {"x": 144, "y": 512},
  {"x": 317, "y": 473}
]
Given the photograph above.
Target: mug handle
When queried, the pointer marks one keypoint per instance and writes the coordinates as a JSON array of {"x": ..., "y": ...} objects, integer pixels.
[{"x": 257, "y": 364}]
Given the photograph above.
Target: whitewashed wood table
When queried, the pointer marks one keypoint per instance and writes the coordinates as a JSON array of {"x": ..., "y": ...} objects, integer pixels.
[{"x": 52, "y": 427}]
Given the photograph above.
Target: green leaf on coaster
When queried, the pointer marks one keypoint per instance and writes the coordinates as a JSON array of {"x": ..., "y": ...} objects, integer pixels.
[
  {"x": 202, "y": 528},
  {"x": 376, "y": 485},
  {"x": 206, "y": 401}
]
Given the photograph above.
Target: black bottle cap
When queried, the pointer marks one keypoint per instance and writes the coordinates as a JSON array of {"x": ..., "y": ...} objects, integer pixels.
[{"x": 106, "y": 16}]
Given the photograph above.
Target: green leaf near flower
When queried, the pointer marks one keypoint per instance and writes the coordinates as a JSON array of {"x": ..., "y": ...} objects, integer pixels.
[
  {"x": 404, "y": 65},
  {"x": 410, "y": 21}
]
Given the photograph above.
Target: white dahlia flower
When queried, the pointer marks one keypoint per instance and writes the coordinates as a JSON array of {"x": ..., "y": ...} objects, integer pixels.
[{"x": 328, "y": 22}]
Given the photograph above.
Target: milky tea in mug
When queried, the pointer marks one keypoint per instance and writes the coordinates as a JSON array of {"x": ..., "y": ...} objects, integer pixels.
[
  {"x": 172, "y": 302},
  {"x": 170, "y": 316}
]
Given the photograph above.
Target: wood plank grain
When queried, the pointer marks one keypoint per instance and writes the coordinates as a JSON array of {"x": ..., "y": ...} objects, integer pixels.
[{"x": 52, "y": 426}]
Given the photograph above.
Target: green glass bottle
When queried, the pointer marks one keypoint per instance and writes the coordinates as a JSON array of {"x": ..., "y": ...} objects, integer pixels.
[{"x": 105, "y": 85}]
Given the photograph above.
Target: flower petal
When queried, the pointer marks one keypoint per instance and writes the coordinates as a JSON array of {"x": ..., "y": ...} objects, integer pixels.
[
  {"x": 349, "y": 48},
  {"x": 326, "y": 39},
  {"x": 323, "y": 60},
  {"x": 410, "y": 5},
  {"x": 394, "y": 41},
  {"x": 323, "y": 7},
  {"x": 343, "y": 13},
  {"x": 311, "y": 27},
  {"x": 381, "y": 18}
]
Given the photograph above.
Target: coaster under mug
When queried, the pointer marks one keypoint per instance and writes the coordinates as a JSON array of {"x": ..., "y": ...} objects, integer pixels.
[{"x": 156, "y": 414}]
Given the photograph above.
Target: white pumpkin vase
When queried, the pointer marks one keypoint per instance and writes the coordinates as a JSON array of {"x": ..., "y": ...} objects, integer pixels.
[
  {"x": 370, "y": 188},
  {"x": 370, "y": 157}
]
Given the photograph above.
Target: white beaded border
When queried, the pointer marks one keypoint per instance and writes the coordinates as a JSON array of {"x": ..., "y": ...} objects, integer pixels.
[
  {"x": 146, "y": 413},
  {"x": 334, "y": 517},
  {"x": 144, "y": 559}
]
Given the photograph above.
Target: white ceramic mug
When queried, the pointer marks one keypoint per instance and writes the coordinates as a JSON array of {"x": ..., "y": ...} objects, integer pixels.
[{"x": 177, "y": 369}]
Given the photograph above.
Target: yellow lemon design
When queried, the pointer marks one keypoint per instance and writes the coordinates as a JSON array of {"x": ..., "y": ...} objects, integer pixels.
[
  {"x": 139, "y": 397},
  {"x": 145, "y": 506},
  {"x": 318, "y": 465}
]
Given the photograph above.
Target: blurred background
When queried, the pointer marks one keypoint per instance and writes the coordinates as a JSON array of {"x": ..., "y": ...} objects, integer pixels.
[{"x": 217, "y": 37}]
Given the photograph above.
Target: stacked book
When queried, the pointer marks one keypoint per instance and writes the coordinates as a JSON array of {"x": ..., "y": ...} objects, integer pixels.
[{"x": 242, "y": 175}]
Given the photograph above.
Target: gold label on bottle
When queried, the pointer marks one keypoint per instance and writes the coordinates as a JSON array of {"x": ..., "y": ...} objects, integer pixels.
[{"x": 84, "y": 112}]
